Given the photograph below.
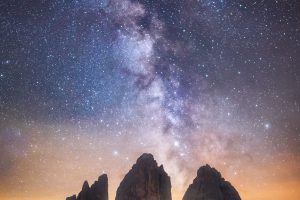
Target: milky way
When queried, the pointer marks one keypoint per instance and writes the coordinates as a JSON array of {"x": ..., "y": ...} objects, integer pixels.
[{"x": 87, "y": 86}]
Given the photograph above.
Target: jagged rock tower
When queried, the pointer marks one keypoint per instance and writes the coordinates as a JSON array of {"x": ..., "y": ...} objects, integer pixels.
[
  {"x": 148, "y": 181},
  {"x": 145, "y": 181},
  {"x": 210, "y": 185},
  {"x": 98, "y": 191}
]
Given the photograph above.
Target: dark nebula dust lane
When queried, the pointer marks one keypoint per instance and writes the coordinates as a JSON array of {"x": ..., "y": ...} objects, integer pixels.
[{"x": 86, "y": 86}]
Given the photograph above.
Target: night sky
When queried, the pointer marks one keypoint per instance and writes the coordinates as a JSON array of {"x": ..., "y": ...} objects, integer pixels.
[{"x": 86, "y": 86}]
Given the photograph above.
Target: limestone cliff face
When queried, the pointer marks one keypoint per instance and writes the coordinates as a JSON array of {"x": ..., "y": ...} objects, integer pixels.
[
  {"x": 148, "y": 181},
  {"x": 210, "y": 185},
  {"x": 100, "y": 188},
  {"x": 98, "y": 191},
  {"x": 145, "y": 181}
]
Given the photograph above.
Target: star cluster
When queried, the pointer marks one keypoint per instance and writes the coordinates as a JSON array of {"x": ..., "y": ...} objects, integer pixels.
[{"x": 88, "y": 85}]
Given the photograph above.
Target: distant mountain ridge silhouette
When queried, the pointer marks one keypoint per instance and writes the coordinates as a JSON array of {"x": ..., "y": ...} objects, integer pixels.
[{"x": 148, "y": 181}]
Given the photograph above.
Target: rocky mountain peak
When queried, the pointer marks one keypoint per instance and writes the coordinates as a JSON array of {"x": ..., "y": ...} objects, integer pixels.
[
  {"x": 210, "y": 185},
  {"x": 148, "y": 181},
  {"x": 85, "y": 186},
  {"x": 97, "y": 191},
  {"x": 145, "y": 181}
]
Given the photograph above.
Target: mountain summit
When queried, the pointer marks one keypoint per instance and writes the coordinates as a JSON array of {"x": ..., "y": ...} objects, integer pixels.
[
  {"x": 145, "y": 181},
  {"x": 210, "y": 185},
  {"x": 98, "y": 191},
  {"x": 148, "y": 181}
]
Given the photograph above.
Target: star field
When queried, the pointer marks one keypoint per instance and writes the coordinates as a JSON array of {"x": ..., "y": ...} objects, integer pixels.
[{"x": 86, "y": 86}]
